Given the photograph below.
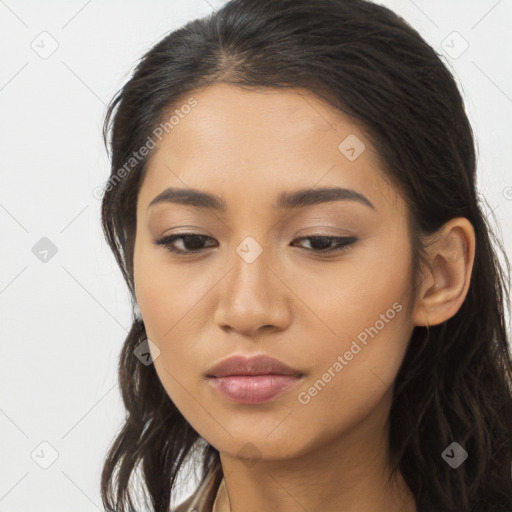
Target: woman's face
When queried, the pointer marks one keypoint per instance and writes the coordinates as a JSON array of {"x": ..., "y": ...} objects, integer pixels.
[{"x": 256, "y": 284}]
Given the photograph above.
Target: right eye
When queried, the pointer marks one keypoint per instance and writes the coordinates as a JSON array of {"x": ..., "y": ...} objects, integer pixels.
[{"x": 192, "y": 240}]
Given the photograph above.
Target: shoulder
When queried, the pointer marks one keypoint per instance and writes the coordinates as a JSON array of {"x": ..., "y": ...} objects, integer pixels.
[
  {"x": 186, "y": 506},
  {"x": 203, "y": 497}
]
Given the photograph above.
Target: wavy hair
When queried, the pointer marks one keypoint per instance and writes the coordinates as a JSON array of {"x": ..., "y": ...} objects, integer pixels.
[{"x": 455, "y": 382}]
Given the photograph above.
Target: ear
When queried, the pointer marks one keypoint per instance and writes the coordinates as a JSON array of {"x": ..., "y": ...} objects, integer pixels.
[{"x": 446, "y": 281}]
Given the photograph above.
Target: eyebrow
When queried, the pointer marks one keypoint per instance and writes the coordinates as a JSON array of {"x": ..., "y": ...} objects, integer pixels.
[{"x": 295, "y": 199}]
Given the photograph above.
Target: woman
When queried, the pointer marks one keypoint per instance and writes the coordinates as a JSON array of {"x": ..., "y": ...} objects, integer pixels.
[{"x": 320, "y": 314}]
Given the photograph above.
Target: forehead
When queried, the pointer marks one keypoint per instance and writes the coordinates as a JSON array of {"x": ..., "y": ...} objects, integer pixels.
[
  {"x": 262, "y": 141},
  {"x": 230, "y": 115}
]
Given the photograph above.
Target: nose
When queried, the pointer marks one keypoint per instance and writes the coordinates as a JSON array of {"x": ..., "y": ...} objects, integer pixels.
[{"x": 252, "y": 297}]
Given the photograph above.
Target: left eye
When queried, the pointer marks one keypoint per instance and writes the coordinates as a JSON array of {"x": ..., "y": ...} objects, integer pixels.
[
  {"x": 320, "y": 244},
  {"x": 325, "y": 243}
]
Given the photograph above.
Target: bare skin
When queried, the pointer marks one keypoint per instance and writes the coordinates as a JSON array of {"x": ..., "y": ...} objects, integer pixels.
[{"x": 316, "y": 451}]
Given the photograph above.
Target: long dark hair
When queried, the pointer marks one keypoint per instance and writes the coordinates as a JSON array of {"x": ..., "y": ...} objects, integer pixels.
[{"x": 455, "y": 381}]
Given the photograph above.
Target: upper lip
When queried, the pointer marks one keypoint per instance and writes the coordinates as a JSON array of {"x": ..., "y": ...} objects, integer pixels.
[{"x": 255, "y": 365}]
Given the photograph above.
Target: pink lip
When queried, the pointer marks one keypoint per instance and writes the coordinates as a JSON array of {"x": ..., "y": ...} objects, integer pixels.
[
  {"x": 254, "y": 389},
  {"x": 252, "y": 380}
]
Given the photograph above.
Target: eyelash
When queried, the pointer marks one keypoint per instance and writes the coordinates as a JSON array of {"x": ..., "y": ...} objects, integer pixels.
[{"x": 343, "y": 242}]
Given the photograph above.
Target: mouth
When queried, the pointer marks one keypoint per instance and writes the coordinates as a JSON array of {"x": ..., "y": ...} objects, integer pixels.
[{"x": 252, "y": 380}]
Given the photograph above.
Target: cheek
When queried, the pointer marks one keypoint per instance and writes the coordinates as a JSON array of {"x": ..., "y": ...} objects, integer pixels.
[
  {"x": 363, "y": 339},
  {"x": 365, "y": 294},
  {"x": 170, "y": 298},
  {"x": 170, "y": 318},
  {"x": 167, "y": 294},
  {"x": 354, "y": 377},
  {"x": 168, "y": 326}
]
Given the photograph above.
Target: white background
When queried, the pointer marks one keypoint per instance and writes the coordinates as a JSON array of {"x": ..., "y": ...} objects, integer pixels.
[{"x": 64, "y": 321}]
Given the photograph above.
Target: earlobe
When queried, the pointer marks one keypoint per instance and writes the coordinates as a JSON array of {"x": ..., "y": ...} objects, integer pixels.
[{"x": 446, "y": 282}]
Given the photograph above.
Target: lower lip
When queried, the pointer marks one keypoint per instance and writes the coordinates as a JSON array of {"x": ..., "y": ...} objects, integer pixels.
[{"x": 253, "y": 389}]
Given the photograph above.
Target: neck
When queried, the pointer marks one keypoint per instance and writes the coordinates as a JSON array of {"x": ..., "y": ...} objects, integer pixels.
[{"x": 346, "y": 474}]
